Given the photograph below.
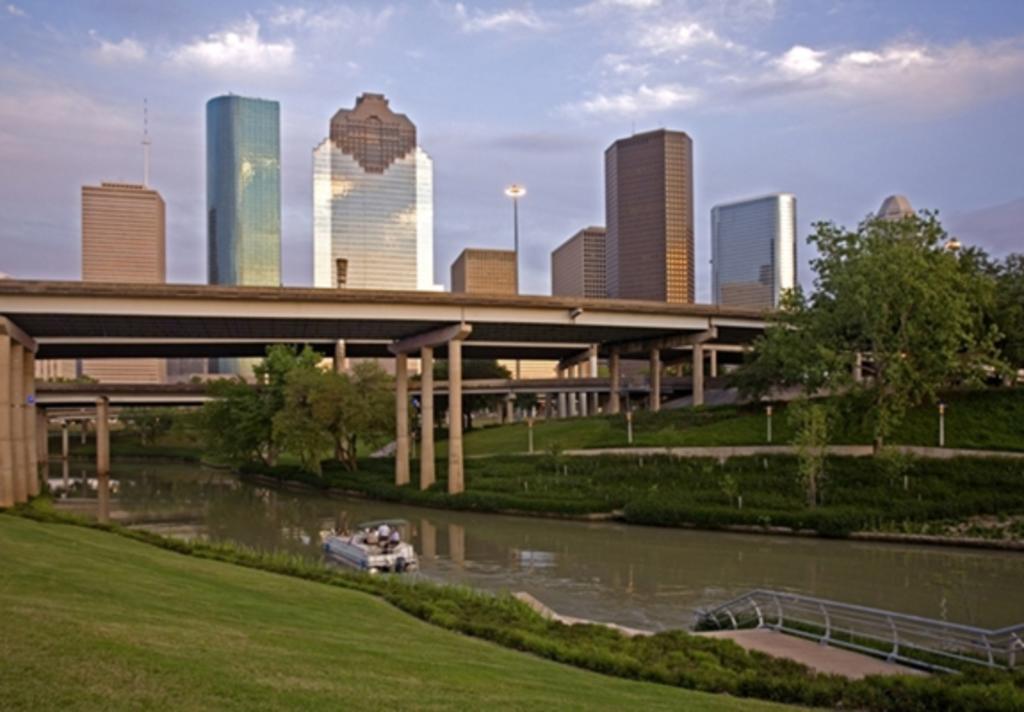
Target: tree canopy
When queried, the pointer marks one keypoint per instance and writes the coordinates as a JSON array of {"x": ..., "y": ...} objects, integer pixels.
[
  {"x": 892, "y": 295},
  {"x": 295, "y": 406}
]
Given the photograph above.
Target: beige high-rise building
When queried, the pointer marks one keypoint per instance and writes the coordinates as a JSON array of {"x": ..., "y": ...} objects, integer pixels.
[
  {"x": 123, "y": 240},
  {"x": 479, "y": 271},
  {"x": 649, "y": 217},
  {"x": 578, "y": 265}
]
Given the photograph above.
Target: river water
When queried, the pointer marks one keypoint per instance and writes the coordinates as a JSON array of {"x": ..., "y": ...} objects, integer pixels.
[{"x": 642, "y": 577}]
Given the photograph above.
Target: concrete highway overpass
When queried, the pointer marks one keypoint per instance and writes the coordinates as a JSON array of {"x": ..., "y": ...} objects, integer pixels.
[{"x": 55, "y": 320}]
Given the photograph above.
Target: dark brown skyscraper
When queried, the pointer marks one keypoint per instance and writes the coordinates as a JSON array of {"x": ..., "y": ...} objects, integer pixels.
[{"x": 649, "y": 209}]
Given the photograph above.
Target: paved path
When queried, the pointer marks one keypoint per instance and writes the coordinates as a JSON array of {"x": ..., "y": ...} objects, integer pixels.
[
  {"x": 725, "y": 452},
  {"x": 823, "y": 658}
]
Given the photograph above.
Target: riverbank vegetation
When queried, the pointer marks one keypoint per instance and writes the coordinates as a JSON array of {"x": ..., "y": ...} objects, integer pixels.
[
  {"x": 142, "y": 620},
  {"x": 892, "y": 493}
]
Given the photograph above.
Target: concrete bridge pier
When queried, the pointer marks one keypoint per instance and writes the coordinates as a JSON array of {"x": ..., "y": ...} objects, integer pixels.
[
  {"x": 401, "y": 419},
  {"x": 581, "y": 396},
  {"x": 595, "y": 404},
  {"x": 424, "y": 343},
  {"x": 19, "y": 456},
  {"x": 102, "y": 436},
  {"x": 615, "y": 372},
  {"x": 42, "y": 441},
  {"x": 698, "y": 374},
  {"x": 427, "y": 473},
  {"x": 65, "y": 441},
  {"x": 655, "y": 395},
  {"x": 7, "y": 488}
]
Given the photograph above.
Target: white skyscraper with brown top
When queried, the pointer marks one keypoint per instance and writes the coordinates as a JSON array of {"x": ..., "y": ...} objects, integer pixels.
[{"x": 373, "y": 202}]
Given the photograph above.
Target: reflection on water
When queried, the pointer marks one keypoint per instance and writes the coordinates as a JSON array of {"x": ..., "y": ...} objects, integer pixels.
[{"x": 637, "y": 576}]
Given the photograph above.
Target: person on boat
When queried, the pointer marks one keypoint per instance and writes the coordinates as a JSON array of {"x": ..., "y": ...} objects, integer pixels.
[
  {"x": 384, "y": 534},
  {"x": 372, "y": 537},
  {"x": 395, "y": 539}
]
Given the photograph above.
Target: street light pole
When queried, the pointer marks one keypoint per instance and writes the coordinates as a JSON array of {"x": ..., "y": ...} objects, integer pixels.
[{"x": 516, "y": 191}]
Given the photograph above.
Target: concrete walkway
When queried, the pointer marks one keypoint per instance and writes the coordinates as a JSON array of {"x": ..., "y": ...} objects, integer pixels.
[
  {"x": 725, "y": 452},
  {"x": 823, "y": 658}
]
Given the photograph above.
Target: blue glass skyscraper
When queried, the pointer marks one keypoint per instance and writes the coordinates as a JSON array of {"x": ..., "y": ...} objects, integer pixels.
[{"x": 243, "y": 191}]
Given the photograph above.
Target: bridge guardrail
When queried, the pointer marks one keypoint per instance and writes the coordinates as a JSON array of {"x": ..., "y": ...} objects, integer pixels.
[{"x": 898, "y": 637}]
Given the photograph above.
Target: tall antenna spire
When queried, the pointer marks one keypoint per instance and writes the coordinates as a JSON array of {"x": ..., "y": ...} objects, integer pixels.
[{"x": 145, "y": 142}]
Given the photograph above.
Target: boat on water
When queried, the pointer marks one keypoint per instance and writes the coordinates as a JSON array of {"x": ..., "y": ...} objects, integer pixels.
[{"x": 373, "y": 547}]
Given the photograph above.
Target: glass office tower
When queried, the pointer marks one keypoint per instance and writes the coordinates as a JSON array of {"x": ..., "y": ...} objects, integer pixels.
[
  {"x": 753, "y": 251},
  {"x": 243, "y": 191},
  {"x": 373, "y": 202}
]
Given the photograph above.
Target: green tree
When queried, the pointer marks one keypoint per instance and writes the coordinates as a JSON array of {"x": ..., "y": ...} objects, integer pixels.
[
  {"x": 296, "y": 426},
  {"x": 355, "y": 406},
  {"x": 892, "y": 292},
  {"x": 811, "y": 424},
  {"x": 149, "y": 423},
  {"x": 238, "y": 423}
]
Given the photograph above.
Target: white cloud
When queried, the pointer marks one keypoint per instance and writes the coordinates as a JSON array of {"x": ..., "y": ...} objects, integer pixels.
[
  {"x": 16, "y": 11},
  {"x": 238, "y": 48},
  {"x": 919, "y": 76},
  {"x": 621, "y": 65},
  {"x": 126, "y": 51},
  {"x": 333, "y": 19},
  {"x": 680, "y": 37},
  {"x": 800, "y": 61},
  {"x": 598, "y": 6},
  {"x": 506, "y": 19},
  {"x": 641, "y": 101}
]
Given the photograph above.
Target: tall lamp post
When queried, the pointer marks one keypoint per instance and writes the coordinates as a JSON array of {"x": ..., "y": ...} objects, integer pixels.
[{"x": 516, "y": 191}]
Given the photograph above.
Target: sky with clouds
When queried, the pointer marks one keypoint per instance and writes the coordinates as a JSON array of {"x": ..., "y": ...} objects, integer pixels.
[{"x": 841, "y": 102}]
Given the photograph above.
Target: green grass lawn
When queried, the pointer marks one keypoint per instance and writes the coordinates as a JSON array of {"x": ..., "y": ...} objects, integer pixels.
[
  {"x": 89, "y": 620},
  {"x": 990, "y": 419}
]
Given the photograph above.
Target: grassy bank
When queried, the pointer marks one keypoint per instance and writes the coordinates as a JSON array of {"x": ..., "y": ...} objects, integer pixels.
[
  {"x": 989, "y": 419},
  {"x": 93, "y": 621},
  {"x": 142, "y": 627},
  {"x": 974, "y": 497}
]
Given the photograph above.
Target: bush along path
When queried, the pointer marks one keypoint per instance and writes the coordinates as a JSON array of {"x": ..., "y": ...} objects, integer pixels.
[
  {"x": 977, "y": 500},
  {"x": 671, "y": 658}
]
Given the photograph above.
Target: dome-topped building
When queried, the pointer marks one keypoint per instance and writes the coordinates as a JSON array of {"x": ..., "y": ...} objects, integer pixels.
[{"x": 895, "y": 207}]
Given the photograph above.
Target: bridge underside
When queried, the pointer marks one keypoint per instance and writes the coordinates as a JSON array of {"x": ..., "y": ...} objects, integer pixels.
[{"x": 70, "y": 320}]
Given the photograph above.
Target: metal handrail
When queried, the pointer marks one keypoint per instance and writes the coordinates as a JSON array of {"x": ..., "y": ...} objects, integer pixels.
[{"x": 897, "y": 637}]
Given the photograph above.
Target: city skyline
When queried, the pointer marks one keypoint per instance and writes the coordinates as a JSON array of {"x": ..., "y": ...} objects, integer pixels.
[{"x": 854, "y": 81}]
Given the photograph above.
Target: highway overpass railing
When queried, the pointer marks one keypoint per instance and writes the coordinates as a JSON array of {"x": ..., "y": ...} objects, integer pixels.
[{"x": 898, "y": 637}]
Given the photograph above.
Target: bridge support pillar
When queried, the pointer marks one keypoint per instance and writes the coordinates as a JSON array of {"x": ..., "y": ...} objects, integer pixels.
[
  {"x": 615, "y": 371},
  {"x": 456, "y": 476},
  {"x": 401, "y": 419},
  {"x": 698, "y": 374},
  {"x": 595, "y": 402},
  {"x": 42, "y": 440},
  {"x": 655, "y": 395},
  {"x": 563, "y": 409},
  {"x": 713, "y": 362},
  {"x": 7, "y": 487},
  {"x": 427, "y": 475},
  {"x": 28, "y": 404},
  {"x": 65, "y": 441},
  {"x": 510, "y": 408},
  {"x": 18, "y": 423},
  {"x": 340, "y": 360},
  {"x": 102, "y": 436},
  {"x": 581, "y": 396}
]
